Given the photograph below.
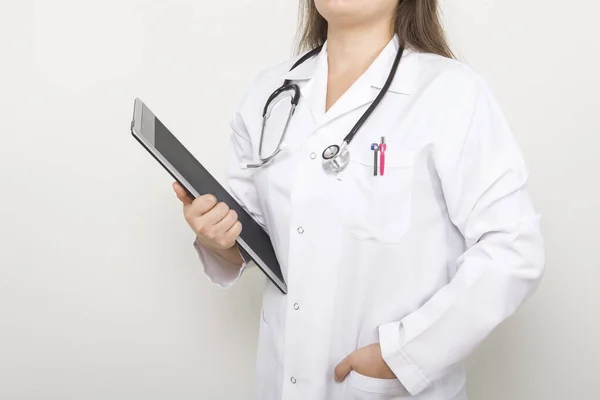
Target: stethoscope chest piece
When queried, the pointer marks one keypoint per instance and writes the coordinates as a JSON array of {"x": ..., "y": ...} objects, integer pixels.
[{"x": 336, "y": 158}]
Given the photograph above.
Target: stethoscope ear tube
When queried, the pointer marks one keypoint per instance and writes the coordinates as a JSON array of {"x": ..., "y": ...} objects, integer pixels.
[
  {"x": 288, "y": 86},
  {"x": 378, "y": 99},
  {"x": 285, "y": 88},
  {"x": 305, "y": 57}
]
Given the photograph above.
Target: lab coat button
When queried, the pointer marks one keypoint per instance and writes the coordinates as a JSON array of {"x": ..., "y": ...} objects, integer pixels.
[
  {"x": 293, "y": 380},
  {"x": 300, "y": 230},
  {"x": 313, "y": 156},
  {"x": 296, "y": 306}
]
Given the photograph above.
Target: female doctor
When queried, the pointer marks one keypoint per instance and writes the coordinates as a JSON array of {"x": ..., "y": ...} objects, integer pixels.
[{"x": 396, "y": 204}]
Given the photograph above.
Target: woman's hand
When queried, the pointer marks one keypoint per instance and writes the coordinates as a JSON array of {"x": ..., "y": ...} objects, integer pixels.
[
  {"x": 366, "y": 361},
  {"x": 216, "y": 226}
]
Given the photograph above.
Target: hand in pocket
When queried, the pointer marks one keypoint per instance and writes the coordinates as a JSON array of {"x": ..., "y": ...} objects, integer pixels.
[{"x": 366, "y": 361}]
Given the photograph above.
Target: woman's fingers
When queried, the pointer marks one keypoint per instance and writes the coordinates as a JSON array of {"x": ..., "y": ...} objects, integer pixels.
[
  {"x": 343, "y": 369},
  {"x": 230, "y": 236},
  {"x": 226, "y": 223},
  {"x": 212, "y": 221}
]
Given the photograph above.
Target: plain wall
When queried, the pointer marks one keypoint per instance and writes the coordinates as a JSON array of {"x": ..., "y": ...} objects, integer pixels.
[{"x": 101, "y": 293}]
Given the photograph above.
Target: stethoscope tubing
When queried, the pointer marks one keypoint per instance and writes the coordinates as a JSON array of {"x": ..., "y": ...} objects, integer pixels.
[{"x": 288, "y": 86}]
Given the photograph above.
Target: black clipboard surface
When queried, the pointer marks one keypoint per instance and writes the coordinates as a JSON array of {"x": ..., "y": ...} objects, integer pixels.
[{"x": 153, "y": 135}]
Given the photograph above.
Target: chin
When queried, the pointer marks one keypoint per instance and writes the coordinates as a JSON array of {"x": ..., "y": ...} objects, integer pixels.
[
  {"x": 341, "y": 10},
  {"x": 354, "y": 11}
]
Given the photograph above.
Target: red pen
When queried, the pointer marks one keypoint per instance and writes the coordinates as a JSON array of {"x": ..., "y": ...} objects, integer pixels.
[{"x": 382, "y": 149}]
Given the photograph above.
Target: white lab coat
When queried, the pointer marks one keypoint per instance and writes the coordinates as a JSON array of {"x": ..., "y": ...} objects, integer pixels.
[{"x": 426, "y": 260}]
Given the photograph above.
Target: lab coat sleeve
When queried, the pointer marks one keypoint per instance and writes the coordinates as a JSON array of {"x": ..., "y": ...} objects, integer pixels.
[
  {"x": 241, "y": 187},
  {"x": 483, "y": 178}
]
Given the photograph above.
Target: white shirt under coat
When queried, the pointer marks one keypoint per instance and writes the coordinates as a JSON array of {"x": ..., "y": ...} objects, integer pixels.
[{"x": 426, "y": 260}]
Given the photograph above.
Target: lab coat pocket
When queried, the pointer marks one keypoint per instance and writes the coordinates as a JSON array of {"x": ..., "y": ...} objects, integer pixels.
[
  {"x": 373, "y": 207},
  {"x": 361, "y": 387}
]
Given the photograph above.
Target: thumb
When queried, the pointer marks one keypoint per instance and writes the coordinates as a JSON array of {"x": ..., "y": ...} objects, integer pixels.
[
  {"x": 182, "y": 194},
  {"x": 343, "y": 369}
]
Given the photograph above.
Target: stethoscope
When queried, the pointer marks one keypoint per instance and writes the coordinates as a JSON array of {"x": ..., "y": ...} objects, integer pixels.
[{"x": 335, "y": 157}]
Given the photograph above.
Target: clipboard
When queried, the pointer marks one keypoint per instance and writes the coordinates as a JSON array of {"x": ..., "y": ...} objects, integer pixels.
[{"x": 153, "y": 135}]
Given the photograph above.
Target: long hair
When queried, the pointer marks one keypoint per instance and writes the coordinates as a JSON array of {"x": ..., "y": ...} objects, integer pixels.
[{"x": 417, "y": 24}]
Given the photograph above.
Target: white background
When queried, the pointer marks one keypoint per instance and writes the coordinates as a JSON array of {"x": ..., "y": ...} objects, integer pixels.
[{"x": 101, "y": 293}]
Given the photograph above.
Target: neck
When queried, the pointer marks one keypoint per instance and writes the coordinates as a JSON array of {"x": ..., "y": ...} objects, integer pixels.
[{"x": 350, "y": 48}]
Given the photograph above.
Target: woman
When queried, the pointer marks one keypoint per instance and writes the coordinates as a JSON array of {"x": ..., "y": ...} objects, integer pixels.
[{"x": 395, "y": 273}]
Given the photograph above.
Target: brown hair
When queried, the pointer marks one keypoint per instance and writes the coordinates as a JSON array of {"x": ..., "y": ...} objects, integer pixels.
[{"x": 417, "y": 24}]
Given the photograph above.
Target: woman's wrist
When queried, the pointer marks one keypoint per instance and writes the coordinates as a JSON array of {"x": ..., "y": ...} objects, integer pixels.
[{"x": 231, "y": 255}]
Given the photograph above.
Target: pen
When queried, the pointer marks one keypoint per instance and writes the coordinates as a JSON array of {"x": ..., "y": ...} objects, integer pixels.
[
  {"x": 375, "y": 148},
  {"x": 382, "y": 150}
]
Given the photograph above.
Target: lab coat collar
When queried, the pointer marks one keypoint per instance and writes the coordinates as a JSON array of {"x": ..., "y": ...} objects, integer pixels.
[
  {"x": 377, "y": 73},
  {"x": 313, "y": 73},
  {"x": 406, "y": 75}
]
